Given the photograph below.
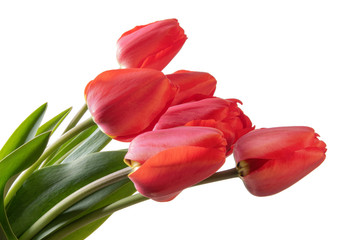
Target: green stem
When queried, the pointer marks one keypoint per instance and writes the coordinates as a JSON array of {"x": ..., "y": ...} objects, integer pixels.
[
  {"x": 93, "y": 216},
  {"x": 220, "y": 176},
  {"x": 73, "y": 198},
  {"x": 127, "y": 202},
  {"x": 63, "y": 139},
  {"x": 77, "y": 117}
]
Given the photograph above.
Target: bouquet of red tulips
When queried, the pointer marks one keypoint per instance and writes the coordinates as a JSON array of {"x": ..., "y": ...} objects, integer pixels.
[{"x": 180, "y": 135}]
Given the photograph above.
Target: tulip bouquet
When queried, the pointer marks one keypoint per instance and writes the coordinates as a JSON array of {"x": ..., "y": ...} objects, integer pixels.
[{"x": 180, "y": 135}]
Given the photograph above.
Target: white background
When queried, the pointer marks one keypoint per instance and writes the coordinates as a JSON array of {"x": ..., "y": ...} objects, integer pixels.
[{"x": 290, "y": 62}]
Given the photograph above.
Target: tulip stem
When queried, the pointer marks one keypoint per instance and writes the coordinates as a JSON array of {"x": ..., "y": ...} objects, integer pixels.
[
  {"x": 77, "y": 118},
  {"x": 76, "y": 196},
  {"x": 97, "y": 214},
  {"x": 219, "y": 176},
  {"x": 63, "y": 139},
  {"x": 127, "y": 202}
]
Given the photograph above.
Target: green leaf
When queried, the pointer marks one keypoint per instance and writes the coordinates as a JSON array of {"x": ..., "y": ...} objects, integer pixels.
[
  {"x": 99, "y": 199},
  {"x": 53, "y": 123},
  {"x": 69, "y": 146},
  {"x": 86, "y": 231},
  {"x": 94, "y": 143},
  {"x": 50, "y": 150},
  {"x": 24, "y": 132},
  {"x": 83, "y": 144},
  {"x": 12, "y": 164},
  {"x": 5, "y": 229},
  {"x": 2, "y": 233},
  {"x": 48, "y": 186}
]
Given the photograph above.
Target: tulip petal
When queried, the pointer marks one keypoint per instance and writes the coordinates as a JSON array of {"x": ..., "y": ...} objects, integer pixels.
[
  {"x": 269, "y": 177},
  {"x": 223, "y": 114},
  {"x": 121, "y": 104},
  {"x": 193, "y": 86},
  {"x": 167, "y": 173},
  {"x": 268, "y": 143},
  {"x": 231, "y": 128},
  {"x": 162, "y": 57},
  {"x": 179, "y": 115},
  {"x": 150, "y": 46},
  {"x": 271, "y": 160},
  {"x": 148, "y": 144}
]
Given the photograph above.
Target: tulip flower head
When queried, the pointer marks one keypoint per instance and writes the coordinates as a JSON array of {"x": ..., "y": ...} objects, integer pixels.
[
  {"x": 170, "y": 160},
  {"x": 270, "y": 160},
  {"x": 192, "y": 85},
  {"x": 127, "y": 102},
  {"x": 223, "y": 114},
  {"x": 150, "y": 46}
]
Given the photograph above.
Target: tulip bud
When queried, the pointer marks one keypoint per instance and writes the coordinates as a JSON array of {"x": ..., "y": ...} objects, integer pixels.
[
  {"x": 127, "y": 102},
  {"x": 170, "y": 160},
  {"x": 193, "y": 86},
  {"x": 270, "y": 160},
  {"x": 150, "y": 46},
  {"x": 218, "y": 113}
]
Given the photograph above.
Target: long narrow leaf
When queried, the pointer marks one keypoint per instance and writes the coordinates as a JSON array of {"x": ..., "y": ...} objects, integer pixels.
[
  {"x": 48, "y": 186},
  {"x": 53, "y": 123},
  {"x": 5, "y": 230},
  {"x": 50, "y": 125},
  {"x": 94, "y": 143},
  {"x": 99, "y": 199},
  {"x": 12, "y": 164},
  {"x": 24, "y": 132},
  {"x": 69, "y": 146},
  {"x": 86, "y": 231},
  {"x": 2, "y": 233}
]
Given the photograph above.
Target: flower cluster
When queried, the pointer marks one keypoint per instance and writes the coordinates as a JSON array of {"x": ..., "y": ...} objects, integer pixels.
[{"x": 181, "y": 133}]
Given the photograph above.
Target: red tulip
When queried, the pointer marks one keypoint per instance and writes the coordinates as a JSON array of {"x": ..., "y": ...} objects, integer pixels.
[
  {"x": 192, "y": 85},
  {"x": 170, "y": 160},
  {"x": 219, "y": 113},
  {"x": 150, "y": 46},
  {"x": 271, "y": 160},
  {"x": 127, "y": 102}
]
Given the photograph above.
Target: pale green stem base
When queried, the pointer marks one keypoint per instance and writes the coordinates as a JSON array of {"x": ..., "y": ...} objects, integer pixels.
[
  {"x": 102, "y": 212},
  {"x": 73, "y": 198},
  {"x": 126, "y": 202}
]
